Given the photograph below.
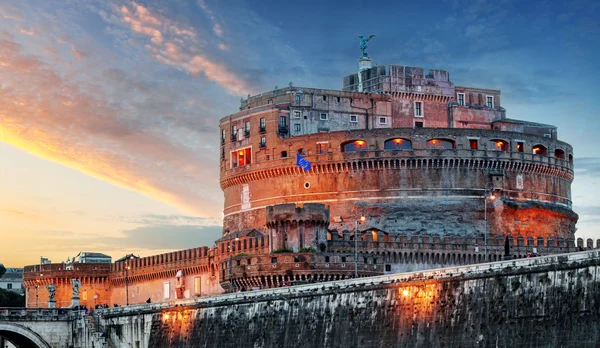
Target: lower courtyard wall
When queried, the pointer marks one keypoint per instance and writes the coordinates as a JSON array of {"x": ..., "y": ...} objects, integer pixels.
[{"x": 551, "y": 301}]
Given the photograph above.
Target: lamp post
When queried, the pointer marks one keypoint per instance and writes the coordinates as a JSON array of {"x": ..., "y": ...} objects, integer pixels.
[
  {"x": 127, "y": 267},
  {"x": 485, "y": 232},
  {"x": 362, "y": 219},
  {"x": 37, "y": 285}
]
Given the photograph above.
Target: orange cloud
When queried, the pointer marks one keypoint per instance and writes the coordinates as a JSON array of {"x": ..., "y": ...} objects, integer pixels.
[{"x": 176, "y": 44}]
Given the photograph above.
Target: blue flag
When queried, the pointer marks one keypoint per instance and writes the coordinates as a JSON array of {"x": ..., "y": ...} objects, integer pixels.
[{"x": 302, "y": 163}]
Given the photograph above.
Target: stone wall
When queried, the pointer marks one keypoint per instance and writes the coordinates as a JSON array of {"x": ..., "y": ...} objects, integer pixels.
[{"x": 538, "y": 302}]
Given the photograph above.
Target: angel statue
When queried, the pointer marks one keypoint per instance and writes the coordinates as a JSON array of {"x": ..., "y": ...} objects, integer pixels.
[
  {"x": 51, "y": 288},
  {"x": 364, "y": 43},
  {"x": 76, "y": 283}
]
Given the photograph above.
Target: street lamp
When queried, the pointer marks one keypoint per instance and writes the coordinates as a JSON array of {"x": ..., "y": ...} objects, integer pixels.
[
  {"x": 362, "y": 219},
  {"x": 230, "y": 249},
  {"x": 485, "y": 232},
  {"x": 37, "y": 285},
  {"x": 127, "y": 267}
]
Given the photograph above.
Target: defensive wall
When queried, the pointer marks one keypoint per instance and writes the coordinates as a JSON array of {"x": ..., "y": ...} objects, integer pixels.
[{"x": 551, "y": 301}]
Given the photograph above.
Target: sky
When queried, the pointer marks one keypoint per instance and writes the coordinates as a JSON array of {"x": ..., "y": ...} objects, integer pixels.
[{"x": 109, "y": 109}]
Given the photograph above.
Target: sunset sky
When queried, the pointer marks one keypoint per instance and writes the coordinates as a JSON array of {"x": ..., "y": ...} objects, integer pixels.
[{"x": 109, "y": 109}]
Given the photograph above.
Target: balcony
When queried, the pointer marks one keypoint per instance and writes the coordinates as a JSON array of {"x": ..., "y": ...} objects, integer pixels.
[
  {"x": 263, "y": 129},
  {"x": 283, "y": 129}
]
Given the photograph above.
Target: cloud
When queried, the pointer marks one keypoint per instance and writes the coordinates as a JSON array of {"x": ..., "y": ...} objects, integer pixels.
[
  {"x": 177, "y": 44},
  {"x": 28, "y": 31},
  {"x": 587, "y": 166},
  {"x": 217, "y": 28},
  {"x": 77, "y": 53}
]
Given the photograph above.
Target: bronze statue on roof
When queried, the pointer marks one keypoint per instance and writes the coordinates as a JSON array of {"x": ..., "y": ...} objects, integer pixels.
[{"x": 364, "y": 42}]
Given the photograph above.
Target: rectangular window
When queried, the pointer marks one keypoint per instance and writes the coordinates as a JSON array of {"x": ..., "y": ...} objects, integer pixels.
[
  {"x": 383, "y": 120},
  {"x": 298, "y": 98},
  {"x": 418, "y": 109},
  {"x": 297, "y": 114},
  {"x": 222, "y": 135},
  {"x": 241, "y": 157},
  {"x": 263, "y": 142},
  {"x": 166, "y": 290},
  {"x": 323, "y": 116},
  {"x": 222, "y": 153},
  {"x": 233, "y": 132},
  {"x": 473, "y": 144},
  {"x": 338, "y": 99},
  {"x": 263, "y": 124},
  {"x": 489, "y": 101},
  {"x": 273, "y": 260},
  {"x": 322, "y": 148},
  {"x": 324, "y": 98},
  {"x": 296, "y": 127},
  {"x": 9, "y": 286},
  {"x": 353, "y": 119},
  {"x": 270, "y": 101},
  {"x": 197, "y": 285},
  {"x": 519, "y": 146},
  {"x": 418, "y": 124},
  {"x": 247, "y": 129},
  {"x": 460, "y": 99}
]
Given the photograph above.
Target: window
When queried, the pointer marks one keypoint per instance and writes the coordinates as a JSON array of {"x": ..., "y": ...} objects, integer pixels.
[
  {"x": 323, "y": 116},
  {"x": 297, "y": 114},
  {"x": 263, "y": 124},
  {"x": 166, "y": 290},
  {"x": 548, "y": 136},
  {"x": 559, "y": 153},
  {"x": 298, "y": 98},
  {"x": 273, "y": 260},
  {"x": 418, "y": 124},
  {"x": 383, "y": 120},
  {"x": 241, "y": 157},
  {"x": 301, "y": 151},
  {"x": 324, "y": 98},
  {"x": 540, "y": 150},
  {"x": 520, "y": 146},
  {"x": 355, "y": 145},
  {"x": 326, "y": 258},
  {"x": 353, "y": 119},
  {"x": 197, "y": 285},
  {"x": 443, "y": 144},
  {"x": 283, "y": 154},
  {"x": 233, "y": 132},
  {"x": 489, "y": 101},
  {"x": 222, "y": 136},
  {"x": 263, "y": 142},
  {"x": 322, "y": 148},
  {"x": 343, "y": 258},
  {"x": 460, "y": 97},
  {"x": 9, "y": 286},
  {"x": 338, "y": 99},
  {"x": 247, "y": 129},
  {"x": 473, "y": 144},
  {"x": 497, "y": 145},
  {"x": 388, "y": 268},
  {"x": 222, "y": 153},
  {"x": 297, "y": 127},
  {"x": 418, "y": 109},
  {"x": 282, "y": 121},
  {"x": 270, "y": 101},
  {"x": 397, "y": 144}
]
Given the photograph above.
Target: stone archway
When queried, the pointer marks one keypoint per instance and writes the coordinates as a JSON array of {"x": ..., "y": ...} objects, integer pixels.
[{"x": 22, "y": 336}]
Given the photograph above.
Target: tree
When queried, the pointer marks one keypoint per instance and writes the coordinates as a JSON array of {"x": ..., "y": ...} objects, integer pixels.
[{"x": 11, "y": 299}]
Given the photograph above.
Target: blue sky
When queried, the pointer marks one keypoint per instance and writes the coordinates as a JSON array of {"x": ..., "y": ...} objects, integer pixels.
[{"x": 109, "y": 109}]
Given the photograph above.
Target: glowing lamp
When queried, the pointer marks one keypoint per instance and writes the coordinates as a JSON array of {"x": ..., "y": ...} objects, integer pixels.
[
  {"x": 360, "y": 142},
  {"x": 398, "y": 140},
  {"x": 492, "y": 197},
  {"x": 362, "y": 218},
  {"x": 166, "y": 316},
  {"x": 434, "y": 141},
  {"x": 241, "y": 153},
  {"x": 404, "y": 292}
]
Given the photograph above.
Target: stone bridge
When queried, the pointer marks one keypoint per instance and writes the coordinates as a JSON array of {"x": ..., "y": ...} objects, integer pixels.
[{"x": 551, "y": 301}]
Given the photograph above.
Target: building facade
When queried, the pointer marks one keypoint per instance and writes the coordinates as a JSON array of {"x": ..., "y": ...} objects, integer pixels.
[{"x": 407, "y": 172}]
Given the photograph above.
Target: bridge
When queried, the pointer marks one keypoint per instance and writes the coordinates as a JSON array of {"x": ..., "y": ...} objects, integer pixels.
[{"x": 551, "y": 301}]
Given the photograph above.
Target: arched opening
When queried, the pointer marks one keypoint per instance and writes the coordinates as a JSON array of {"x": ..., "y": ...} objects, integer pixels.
[
  {"x": 570, "y": 158},
  {"x": 540, "y": 150},
  {"x": 444, "y": 144},
  {"x": 497, "y": 145},
  {"x": 559, "y": 153},
  {"x": 397, "y": 144},
  {"x": 354, "y": 145},
  {"x": 21, "y": 336}
]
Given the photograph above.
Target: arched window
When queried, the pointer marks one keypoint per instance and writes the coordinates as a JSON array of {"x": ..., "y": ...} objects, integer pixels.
[
  {"x": 397, "y": 144},
  {"x": 570, "y": 158},
  {"x": 354, "y": 145},
  {"x": 497, "y": 145},
  {"x": 444, "y": 144},
  {"x": 559, "y": 153},
  {"x": 540, "y": 150},
  {"x": 283, "y": 154}
]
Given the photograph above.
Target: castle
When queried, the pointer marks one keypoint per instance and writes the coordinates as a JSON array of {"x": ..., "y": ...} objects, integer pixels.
[{"x": 400, "y": 170}]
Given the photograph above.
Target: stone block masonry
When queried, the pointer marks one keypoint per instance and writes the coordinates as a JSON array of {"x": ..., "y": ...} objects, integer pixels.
[{"x": 551, "y": 301}]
